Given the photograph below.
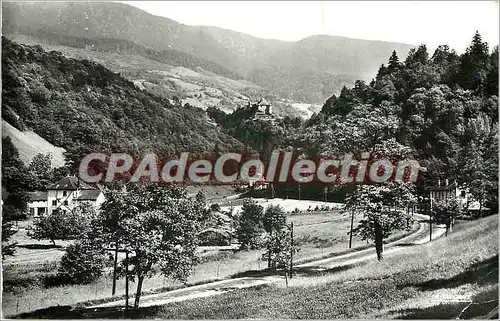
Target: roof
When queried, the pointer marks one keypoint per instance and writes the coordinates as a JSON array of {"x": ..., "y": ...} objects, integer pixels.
[
  {"x": 449, "y": 187},
  {"x": 89, "y": 195},
  {"x": 37, "y": 196},
  {"x": 263, "y": 102},
  {"x": 71, "y": 183}
]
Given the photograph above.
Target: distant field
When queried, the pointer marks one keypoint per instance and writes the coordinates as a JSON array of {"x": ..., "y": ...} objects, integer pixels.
[
  {"x": 436, "y": 280},
  {"x": 288, "y": 205}
]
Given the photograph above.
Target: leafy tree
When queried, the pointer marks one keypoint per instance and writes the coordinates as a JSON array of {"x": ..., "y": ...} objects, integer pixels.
[
  {"x": 249, "y": 227},
  {"x": 158, "y": 226},
  {"x": 40, "y": 168},
  {"x": 280, "y": 249},
  {"x": 445, "y": 211},
  {"x": 62, "y": 225},
  {"x": 84, "y": 260},
  {"x": 274, "y": 219},
  {"x": 381, "y": 206},
  {"x": 8, "y": 247},
  {"x": 16, "y": 179}
]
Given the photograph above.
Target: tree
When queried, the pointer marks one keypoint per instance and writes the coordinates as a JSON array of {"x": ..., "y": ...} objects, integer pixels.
[
  {"x": 381, "y": 206},
  {"x": 474, "y": 65},
  {"x": 274, "y": 218},
  {"x": 83, "y": 261},
  {"x": 394, "y": 63},
  {"x": 249, "y": 227},
  {"x": 62, "y": 225},
  {"x": 280, "y": 249},
  {"x": 8, "y": 247},
  {"x": 159, "y": 228},
  {"x": 445, "y": 211},
  {"x": 16, "y": 179},
  {"x": 40, "y": 168}
]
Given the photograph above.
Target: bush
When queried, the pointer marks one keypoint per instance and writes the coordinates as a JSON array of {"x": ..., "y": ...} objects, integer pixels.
[
  {"x": 84, "y": 260},
  {"x": 214, "y": 237},
  {"x": 82, "y": 263},
  {"x": 215, "y": 207}
]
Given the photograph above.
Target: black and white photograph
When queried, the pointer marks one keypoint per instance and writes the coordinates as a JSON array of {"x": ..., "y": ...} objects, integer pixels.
[{"x": 249, "y": 160}]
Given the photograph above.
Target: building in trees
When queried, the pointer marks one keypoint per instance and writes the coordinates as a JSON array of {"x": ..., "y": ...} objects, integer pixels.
[
  {"x": 264, "y": 111},
  {"x": 445, "y": 191},
  {"x": 66, "y": 194}
]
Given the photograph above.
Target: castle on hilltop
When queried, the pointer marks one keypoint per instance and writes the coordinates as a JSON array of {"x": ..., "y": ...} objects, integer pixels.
[{"x": 264, "y": 111}]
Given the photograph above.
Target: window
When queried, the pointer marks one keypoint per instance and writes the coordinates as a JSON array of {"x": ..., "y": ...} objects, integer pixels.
[
  {"x": 66, "y": 203},
  {"x": 65, "y": 193},
  {"x": 54, "y": 202},
  {"x": 462, "y": 194},
  {"x": 32, "y": 211},
  {"x": 41, "y": 211}
]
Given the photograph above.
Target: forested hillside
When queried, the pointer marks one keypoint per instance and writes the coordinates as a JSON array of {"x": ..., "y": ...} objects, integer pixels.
[
  {"x": 442, "y": 109},
  {"x": 82, "y": 106}
]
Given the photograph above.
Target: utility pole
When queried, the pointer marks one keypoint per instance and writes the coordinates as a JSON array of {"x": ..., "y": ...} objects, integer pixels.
[
  {"x": 352, "y": 225},
  {"x": 113, "y": 291},
  {"x": 430, "y": 218},
  {"x": 291, "y": 250},
  {"x": 299, "y": 193},
  {"x": 126, "y": 280},
  {"x": 269, "y": 249}
]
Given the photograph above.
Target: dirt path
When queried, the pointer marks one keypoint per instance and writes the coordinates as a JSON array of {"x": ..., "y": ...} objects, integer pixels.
[{"x": 421, "y": 236}]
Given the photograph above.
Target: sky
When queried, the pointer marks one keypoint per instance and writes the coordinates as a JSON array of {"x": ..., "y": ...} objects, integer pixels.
[{"x": 413, "y": 22}]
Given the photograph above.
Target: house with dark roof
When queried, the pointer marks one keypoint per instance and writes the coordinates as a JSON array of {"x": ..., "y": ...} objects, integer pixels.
[{"x": 65, "y": 194}]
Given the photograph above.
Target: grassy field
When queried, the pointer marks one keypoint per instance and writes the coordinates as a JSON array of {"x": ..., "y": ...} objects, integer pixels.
[
  {"x": 450, "y": 277},
  {"x": 435, "y": 280},
  {"x": 31, "y": 282}
]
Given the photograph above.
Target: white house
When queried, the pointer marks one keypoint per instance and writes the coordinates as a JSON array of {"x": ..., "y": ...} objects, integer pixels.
[
  {"x": 66, "y": 194},
  {"x": 453, "y": 190}
]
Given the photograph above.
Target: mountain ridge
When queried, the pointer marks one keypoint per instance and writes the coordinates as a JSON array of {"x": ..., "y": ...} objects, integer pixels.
[{"x": 263, "y": 61}]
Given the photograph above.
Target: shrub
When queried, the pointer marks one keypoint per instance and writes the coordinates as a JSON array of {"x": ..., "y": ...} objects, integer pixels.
[
  {"x": 214, "y": 237},
  {"x": 83, "y": 262},
  {"x": 215, "y": 207}
]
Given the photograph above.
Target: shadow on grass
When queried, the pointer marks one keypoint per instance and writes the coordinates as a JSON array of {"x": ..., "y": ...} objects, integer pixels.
[
  {"x": 405, "y": 244},
  {"x": 303, "y": 271},
  {"x": 482, "y": 272},
  {"x": 35, "y": 246},
  {"x": 67, "y": 312},
  {"x": 441, "y": 311}
]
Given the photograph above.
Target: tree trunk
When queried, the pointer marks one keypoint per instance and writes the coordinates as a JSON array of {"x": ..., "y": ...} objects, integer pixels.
[
  {"x": 269, "y": 251},
  {"x": 53, "y": 242},
  {"x": 350, "y": 232},
  {"x": 379, "y": 241},
  {"x": 138, "y": 293}
]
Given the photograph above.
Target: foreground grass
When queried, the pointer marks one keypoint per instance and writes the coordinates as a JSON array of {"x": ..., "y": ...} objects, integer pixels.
[
  {"x": 435, "y": 280},
  {"x": 466, "y": 260}
]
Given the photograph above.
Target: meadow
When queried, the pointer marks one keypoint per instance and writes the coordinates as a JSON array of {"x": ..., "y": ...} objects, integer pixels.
[
  {"x": 30, "y": 280},
  {"x": 454, "y": 276}
]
